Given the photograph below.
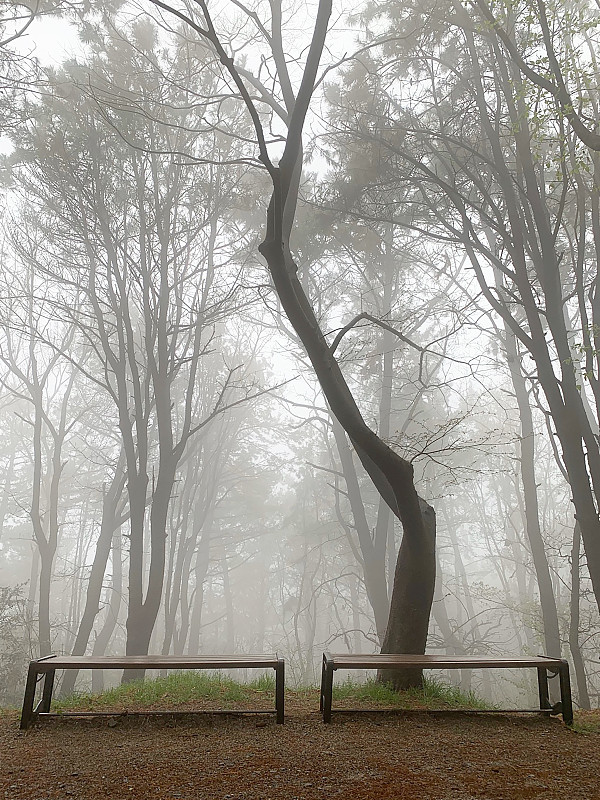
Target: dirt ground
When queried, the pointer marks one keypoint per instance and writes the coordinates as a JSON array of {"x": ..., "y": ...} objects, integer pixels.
[{"x": 359, "y": 756}]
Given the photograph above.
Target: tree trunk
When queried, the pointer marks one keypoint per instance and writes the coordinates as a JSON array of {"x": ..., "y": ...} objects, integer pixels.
[
  {"x": 116, "y": 595},
  {"x": 532, "y": 518},
  {"x": 583, "y": 696},
  {"x": 373, "y": 557},
  {"x": 184, "y": 604},
  {"x": 142, "y": 615},
  {"x": 200, "y": 570},
  {"x": 228, "y": 597},
  {"x": 108, "y": 527},
  {"x": 393, "y": 476},
  {"x": 412, "y": 597},
  {"x": 46, "y": 561},
  {"x": 414, "y": 578}
]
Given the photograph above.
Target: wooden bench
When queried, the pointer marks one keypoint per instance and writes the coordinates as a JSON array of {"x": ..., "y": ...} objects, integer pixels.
[
  {"x": 543, "y": 664},
  {"x": 47, "y": 666}
]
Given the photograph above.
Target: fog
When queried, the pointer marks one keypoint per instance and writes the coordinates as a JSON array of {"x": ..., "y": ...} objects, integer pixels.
[{"x": 207, "y": 448}]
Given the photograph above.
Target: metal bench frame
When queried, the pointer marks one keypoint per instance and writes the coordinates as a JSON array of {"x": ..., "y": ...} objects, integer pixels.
[
  {"x": 543, "y": 664},
  {"x": 48, "y": 665}
]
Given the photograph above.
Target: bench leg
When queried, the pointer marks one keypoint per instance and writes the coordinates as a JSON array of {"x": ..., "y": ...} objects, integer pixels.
[
  {"x": 27, "y": 712},
  {"x": 543, "y": 688},
  {"x": 322, "y": 683},
  {"x": 47, "y": 692},
  {"x": 565, "y": 693},
  {"x": 279, "y": 691},
  {"x": 327, "y": 691}
]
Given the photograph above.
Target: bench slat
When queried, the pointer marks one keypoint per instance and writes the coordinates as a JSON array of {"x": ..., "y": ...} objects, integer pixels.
[
  {"x": 379, "y": 661},
  {"x": 156, "y": 662}
]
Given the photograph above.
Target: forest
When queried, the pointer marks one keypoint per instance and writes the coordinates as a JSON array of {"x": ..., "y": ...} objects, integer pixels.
[{"x": 300, "y": 332}]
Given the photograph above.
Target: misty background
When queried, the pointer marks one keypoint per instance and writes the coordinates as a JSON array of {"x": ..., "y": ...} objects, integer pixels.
[{"x": 171, "y": 477}]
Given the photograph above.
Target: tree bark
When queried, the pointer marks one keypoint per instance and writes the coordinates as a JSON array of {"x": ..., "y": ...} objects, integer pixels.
[
  {"x": 112, "y": 615},
  {"x": 583, "y": 696},
  {"x": 108, "y": 526},
  {"x": 412, "y": 597}
]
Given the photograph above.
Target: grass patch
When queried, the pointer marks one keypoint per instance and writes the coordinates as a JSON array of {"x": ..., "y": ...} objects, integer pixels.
[
  {"x": 587, "y": 721},
  {"x": 176, "y": 689},
  {"x": 264, "y": 683},
  {"x": 432, "y": 695},
  {"x": 189, "y": 689}
]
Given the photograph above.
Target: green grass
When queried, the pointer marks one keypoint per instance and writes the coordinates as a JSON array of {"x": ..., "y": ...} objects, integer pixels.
[
  {"x": 587, "y": 721},
  {"x": 187, "y": 688},
  {"x": 432, "y": 695},
  {"x": 264, "y": 683},
  {"x": 175, "y": 689}
]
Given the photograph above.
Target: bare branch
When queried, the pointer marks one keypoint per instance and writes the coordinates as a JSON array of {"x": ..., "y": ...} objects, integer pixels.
[{"x": 375, "y": 321}]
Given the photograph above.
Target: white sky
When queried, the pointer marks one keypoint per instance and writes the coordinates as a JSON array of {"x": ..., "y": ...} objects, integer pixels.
[{"x": 50, "y": 39}]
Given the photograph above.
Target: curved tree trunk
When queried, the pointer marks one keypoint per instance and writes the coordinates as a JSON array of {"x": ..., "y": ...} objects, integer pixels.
[
  {"x": 412, "y": 597},
  {"x": 392, "y": 475},
  {"x": 414, "y": 580}
]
